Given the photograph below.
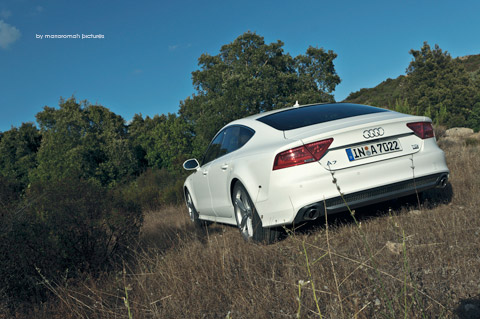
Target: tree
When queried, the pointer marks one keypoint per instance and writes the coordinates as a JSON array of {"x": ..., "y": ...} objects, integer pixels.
[
  {"x": 83, "y": 140},
  {"x": 162, "y": 141},
  {"x": 249, "y": 76},
  {"x": 440, "y": 87},
  {"x": 18, "y": 151}
]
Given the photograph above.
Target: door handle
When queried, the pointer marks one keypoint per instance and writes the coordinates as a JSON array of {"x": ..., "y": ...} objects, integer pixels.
[
  {"x": 224, "y": 166},
  {"x": 205, "y": 172}
]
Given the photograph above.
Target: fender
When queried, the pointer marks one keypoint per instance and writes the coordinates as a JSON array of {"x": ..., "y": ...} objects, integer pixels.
[{"x": 253, "y": 172}]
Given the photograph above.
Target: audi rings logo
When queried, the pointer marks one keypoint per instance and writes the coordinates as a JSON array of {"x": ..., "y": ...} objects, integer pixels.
[{"x": 373, "y": 132}]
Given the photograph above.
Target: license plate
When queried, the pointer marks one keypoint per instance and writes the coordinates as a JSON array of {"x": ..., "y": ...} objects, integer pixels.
[{"x": 374, "y": 149}]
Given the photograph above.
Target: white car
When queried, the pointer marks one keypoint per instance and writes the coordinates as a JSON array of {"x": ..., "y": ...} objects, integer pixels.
[{"x": 292, "y": 165}]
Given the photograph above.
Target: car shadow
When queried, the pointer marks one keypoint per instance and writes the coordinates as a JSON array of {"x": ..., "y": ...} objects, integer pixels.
[{"x": 437, "y": 196}]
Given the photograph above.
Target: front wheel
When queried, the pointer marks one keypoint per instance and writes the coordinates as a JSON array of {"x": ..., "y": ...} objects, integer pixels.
[
  {"x": 192, "y": 212},
  {"x": 248, "y": 220}
]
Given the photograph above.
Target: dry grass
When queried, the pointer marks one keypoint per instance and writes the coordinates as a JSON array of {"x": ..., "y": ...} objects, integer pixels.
[{"x": 393, "y": 263}]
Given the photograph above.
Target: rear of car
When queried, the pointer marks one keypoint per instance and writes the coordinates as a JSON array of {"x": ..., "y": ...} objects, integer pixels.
[{"x": 337, "y": 153}]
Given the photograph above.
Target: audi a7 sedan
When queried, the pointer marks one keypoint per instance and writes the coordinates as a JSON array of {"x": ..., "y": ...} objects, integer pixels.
[{"x": 292, "y": 165}]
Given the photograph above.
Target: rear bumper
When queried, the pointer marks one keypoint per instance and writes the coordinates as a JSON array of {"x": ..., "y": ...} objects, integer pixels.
[
  {"x": 370, "y": 196},
  {"x": 295, "y": 193}
]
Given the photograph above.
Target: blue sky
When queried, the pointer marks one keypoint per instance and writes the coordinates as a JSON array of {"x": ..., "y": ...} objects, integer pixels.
[{"x": 144, "y": 62}]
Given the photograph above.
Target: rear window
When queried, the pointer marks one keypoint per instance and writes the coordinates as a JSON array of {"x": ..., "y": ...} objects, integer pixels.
[{"x": 315, "y": 114}]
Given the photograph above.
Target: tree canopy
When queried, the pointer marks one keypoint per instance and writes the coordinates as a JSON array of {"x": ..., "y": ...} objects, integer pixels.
[
  {"x": 83, "y": 140},
  {"x": 440, "y": 87},
  {"x": 249, "y": 76},
  {"x": 436, "y": 85},
  {"x": 18, "y": 148},
  {"x": 162, "y": 141}
]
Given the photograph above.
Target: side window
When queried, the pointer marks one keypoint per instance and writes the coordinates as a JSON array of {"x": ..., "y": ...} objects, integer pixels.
[
  {"x": 227, "y": 141},
  {"x": 236, "y": 137},
  {"x": 244, "y": 136},
  {"x": 214, "y": 150}
]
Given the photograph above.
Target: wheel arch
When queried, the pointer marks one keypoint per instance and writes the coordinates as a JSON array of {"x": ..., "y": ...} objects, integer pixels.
[
  {"x": 253, "y": 172},
  {"x": 232, "y": 186},
  {"x": 253, "y": 186},
  {"x": 188, "y": 188}
]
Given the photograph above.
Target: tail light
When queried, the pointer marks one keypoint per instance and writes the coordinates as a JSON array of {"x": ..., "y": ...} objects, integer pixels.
[
  {"x": 423, "y": 130},
  {"x": 302, "y": 155}
]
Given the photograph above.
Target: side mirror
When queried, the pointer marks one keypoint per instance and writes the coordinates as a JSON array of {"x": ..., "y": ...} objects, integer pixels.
[{"x": 191, "y": 164}]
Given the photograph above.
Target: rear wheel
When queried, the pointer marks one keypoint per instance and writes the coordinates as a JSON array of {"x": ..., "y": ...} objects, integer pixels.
[{"x": 248, "y": 221}]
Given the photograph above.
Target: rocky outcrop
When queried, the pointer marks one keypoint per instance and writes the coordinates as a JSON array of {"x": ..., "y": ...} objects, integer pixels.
[
  {"x": 457, "y": 135},
  {"x": 459, "y": 132}
]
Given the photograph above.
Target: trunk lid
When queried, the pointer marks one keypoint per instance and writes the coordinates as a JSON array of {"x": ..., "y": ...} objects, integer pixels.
[{"x": 362, "y": 139}]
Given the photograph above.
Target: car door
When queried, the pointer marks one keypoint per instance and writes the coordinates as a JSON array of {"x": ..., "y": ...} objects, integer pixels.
[
  {"x": 200, "y": 178},
  {"x": 220, "y": 170}
]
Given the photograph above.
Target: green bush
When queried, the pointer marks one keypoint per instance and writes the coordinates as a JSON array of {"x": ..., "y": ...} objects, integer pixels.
[
  {"x": 24, "y": 245},
  {"x": 156, "y": 188},
  {"x": 173, "y": 194},
  {"x": 9, "y": 194},
  {"x": 64, "y": 229}
]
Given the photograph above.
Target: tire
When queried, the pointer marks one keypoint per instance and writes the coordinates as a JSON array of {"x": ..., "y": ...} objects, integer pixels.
[
  {"x": 192, "y": 212},
  {"x": 248, "y": 221}
]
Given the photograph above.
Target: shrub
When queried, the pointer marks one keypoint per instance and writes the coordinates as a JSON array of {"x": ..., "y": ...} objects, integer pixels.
[
  {"x": 472, "y": 141},
  {"x": 173, "y": 194},
  {"x": 9, "y": 194},
  {"x": 156, "y": 188},
  {"x": 65, "y": 228}
]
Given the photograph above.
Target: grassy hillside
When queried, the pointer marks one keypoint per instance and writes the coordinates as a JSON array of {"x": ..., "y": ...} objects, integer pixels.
[
  {"x": 391, "y": 261},
  {"x": 392, "y": 91},
  {"x": 386, "y": 94},
  {"x": 471, "y": 62}
]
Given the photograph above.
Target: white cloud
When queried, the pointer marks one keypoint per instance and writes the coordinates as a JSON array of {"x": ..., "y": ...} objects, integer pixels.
[
  {"x": 8, "y": 34},
  {"x": 175, "y": 47},
  {"x": 5, "y": 14}
]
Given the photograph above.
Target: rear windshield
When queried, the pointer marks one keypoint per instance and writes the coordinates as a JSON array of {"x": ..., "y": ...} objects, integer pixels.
[{"x": 315, "y": 114}]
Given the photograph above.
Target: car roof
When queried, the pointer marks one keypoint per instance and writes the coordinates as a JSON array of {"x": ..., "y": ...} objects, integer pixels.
[{"x": 299, "y": 116}]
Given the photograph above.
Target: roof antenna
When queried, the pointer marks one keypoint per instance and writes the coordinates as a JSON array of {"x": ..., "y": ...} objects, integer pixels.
[{"x": 296, "y": 104}]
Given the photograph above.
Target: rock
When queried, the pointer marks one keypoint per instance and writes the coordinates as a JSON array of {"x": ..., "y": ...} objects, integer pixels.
[
  {"x": 395, "y": 248},
  {"x": 459, "y": 132},
  {"x": 416, "y": 212}
]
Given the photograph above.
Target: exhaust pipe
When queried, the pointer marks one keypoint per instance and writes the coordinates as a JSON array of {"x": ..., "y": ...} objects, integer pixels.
[
  {"x": 443, "y": 181},
  {"x": 311, "y": 214}
]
